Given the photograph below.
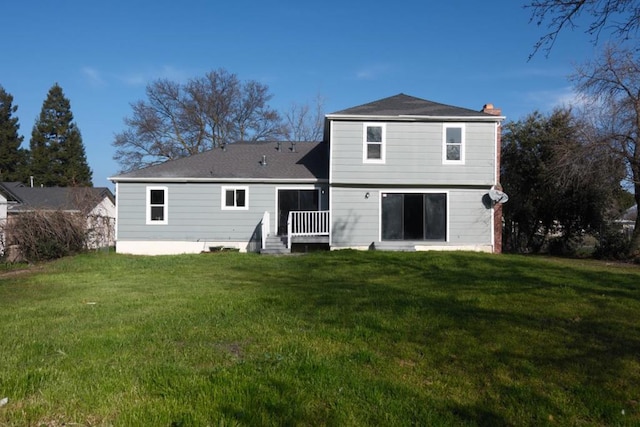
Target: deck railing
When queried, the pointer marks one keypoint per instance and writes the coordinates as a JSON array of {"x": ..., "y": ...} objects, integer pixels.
[
  {"x": 307, "y": 223},
  {"x": 264, "y": 231}
]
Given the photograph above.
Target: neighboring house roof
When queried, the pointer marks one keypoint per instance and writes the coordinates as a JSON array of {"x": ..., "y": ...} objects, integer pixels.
[
  {"x": 23, "y": 198},
  {"x": 242, "y": 161},
  {"x": 404, "y": 106},
  {"x": 631, "y": 213}
]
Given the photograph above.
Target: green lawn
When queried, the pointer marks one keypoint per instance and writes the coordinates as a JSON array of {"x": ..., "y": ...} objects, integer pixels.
[{"x": 329, "y": 338}]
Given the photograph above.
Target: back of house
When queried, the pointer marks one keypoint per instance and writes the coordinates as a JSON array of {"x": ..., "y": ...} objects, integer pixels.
[{"x": 401, "y": 173}]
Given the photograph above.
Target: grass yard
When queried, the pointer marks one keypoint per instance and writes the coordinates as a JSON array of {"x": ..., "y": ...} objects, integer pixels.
[{"x": 330, "y": 338}]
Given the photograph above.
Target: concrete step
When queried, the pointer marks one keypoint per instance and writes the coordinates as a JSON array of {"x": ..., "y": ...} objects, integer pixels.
[
  {"x": 275, "y": 245},
  {"x": 274, "y": 251}
]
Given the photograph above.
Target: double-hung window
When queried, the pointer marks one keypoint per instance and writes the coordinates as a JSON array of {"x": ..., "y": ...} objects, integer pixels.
[
  {"x": 374, "y": 141},
  {"x": 157, "y": 205},
  {"x": 235, "y": 198},
  {"x": 453, "y": 145}
]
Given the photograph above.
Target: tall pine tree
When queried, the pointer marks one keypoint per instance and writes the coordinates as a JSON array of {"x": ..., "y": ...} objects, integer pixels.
[
  {"x": 12, "y": 157},
  {"x": 57, "y": 153}
]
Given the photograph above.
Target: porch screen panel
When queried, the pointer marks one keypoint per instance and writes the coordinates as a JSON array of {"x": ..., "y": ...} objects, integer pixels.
[
  {"x": 295, "y": 200},
  {"x": 435, "y": 213},
  {"x": 413, "y": 217},
  {"x": 392, "y": 207},
  {"x": 308, "y": 200}
]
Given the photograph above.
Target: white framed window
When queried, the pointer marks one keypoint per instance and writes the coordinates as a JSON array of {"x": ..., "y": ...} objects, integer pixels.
[
  {"x": 374, "y": 143},
  {"x": 157, "y": 205},
  {"x": 235, "y": 198},
  {"x": 453, "y": 143}
]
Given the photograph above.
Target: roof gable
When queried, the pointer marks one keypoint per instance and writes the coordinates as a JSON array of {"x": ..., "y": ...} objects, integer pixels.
[
  {"x": 7, "y": 190},
  {"x": 405, "y": 105},
  {"x": 243, "y": 161}
]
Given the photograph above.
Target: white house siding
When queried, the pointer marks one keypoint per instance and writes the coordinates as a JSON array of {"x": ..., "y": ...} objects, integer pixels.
[
  {"x": 356, "y": 219},
  {"x": 413, "y": 155},
  {"x": 195, "y": 218},
  {"x": 3, "y": 207},
  {"x": 101, "y": 224}
]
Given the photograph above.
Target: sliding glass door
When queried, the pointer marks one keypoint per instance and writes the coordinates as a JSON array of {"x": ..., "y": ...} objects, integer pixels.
[
  {"x": 414, "y": 216},
  {"x": 295, "y": 200}
]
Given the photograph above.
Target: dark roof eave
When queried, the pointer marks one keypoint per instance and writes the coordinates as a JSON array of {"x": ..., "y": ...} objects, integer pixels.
[
  {"x": 159, "y": 180},
  {"x": 411, "y": 118},
  {"x": 7, "y": 191},
  {"x": 23, "y": 209}
]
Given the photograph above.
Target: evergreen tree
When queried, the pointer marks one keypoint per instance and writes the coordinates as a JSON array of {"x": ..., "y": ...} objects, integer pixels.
[
  {"x": 559, "y": 185},
  {"x": 57, "y": 153},
  {"x": 12, "y": 157}
]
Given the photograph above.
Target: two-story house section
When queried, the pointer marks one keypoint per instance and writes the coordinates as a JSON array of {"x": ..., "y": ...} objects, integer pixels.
[{"x": 410, "y": 174}]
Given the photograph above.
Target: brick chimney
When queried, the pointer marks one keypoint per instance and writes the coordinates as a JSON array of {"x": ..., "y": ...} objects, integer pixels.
[
  {"x": 497, "y": 209},
  {"x": 490, "y": 109}
]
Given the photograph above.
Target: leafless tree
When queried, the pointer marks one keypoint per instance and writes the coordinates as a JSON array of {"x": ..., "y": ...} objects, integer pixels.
[
  {"x": 179, "y": 120},
  {"x": 82, "y": 223},
  {"x": 305, "y": 122},
  {"x": 585, "y": 151},
  {"x": 610, "y": 84},
  {"x": 621, "y": 17}
]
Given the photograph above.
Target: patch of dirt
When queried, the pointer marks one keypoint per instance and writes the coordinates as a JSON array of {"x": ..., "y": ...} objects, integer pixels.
[{"x": 20, "y": 271}]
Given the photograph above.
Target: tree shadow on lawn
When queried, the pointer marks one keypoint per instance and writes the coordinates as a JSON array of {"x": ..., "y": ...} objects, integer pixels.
[{"x": 514, "y": 354}]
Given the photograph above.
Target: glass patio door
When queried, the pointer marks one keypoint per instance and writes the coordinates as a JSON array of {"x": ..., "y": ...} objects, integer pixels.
[{"x": 295, "y": 200}]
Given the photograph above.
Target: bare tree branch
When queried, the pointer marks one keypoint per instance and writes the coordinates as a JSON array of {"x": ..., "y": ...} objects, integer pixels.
[
  {"x": 620, "y": 17},
  {"x": 305, "y": 122},
  {"x": 611, "y": 85},
  {"x": 179, "y": 120}
]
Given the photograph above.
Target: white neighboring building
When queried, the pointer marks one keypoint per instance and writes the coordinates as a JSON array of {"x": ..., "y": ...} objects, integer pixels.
[{"x": 628, "y": 220}]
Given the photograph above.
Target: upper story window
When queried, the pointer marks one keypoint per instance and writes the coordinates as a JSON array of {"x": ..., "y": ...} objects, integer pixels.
[
  {"x": 453, "y": 144},
  {"x": 235, "y": 198},
  {"x": 157, "y": 204},
  {"x": 374, "y": 143}
]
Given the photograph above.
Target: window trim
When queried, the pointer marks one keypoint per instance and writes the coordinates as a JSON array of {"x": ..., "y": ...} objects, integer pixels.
[
  {"x": 165, "y": 206},
  {"x": 223, "y": 198},
  {"x": 383, "y": 143},
  {"x": 463, "y": 144}
]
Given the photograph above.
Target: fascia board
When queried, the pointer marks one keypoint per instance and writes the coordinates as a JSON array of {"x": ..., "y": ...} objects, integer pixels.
[
  {"x": 218, "y": 180},
  {"x": 417, "y": 118}
]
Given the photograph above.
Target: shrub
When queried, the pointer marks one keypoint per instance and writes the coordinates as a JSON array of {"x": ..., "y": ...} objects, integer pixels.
[
  {"x": 563, "y": 246},
  {"x": 612, "y": 244},
  {"x": 45, "y": 235}
]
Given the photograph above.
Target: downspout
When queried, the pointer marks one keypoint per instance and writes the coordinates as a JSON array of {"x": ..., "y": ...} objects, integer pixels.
[{"x": 497, "y": 207}]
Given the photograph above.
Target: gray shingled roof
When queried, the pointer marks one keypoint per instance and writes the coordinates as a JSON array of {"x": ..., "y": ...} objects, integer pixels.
[
  {"x": 405, "y": 105},
  {"x": 631, "y": 213},
  {"x": 243, "y": 160},
  {"x": 64, "y": 198}
]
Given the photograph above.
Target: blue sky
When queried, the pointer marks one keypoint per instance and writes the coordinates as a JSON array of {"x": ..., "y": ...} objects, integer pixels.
[{"x": 103, "y": 54}]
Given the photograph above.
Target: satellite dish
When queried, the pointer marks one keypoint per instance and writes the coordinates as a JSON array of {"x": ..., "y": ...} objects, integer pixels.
[{"x": 497, "y": 195}]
